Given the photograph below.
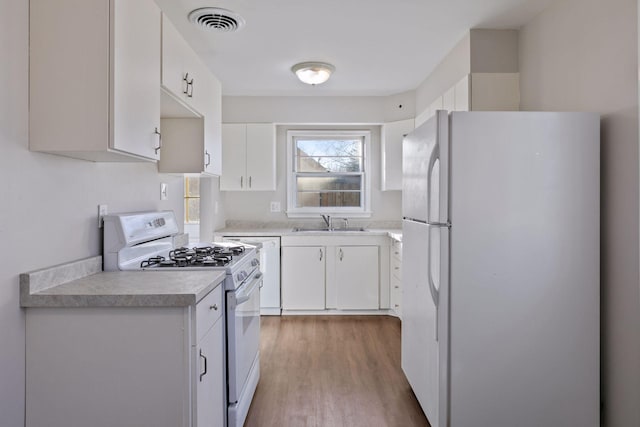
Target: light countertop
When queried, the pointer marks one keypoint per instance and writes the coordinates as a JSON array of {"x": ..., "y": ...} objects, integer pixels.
[{"x": 78, "y": 284}]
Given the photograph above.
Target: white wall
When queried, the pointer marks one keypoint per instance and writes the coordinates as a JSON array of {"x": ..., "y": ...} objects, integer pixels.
[
  {"x": 453, "y": 67},
  {"x": 314, "y": 113},
  {"x": 583, "y": 55},
  {"x": 254, "y": 205},
  {"x": 318, "y": 109},
  {"x": 48, "y": 204}
]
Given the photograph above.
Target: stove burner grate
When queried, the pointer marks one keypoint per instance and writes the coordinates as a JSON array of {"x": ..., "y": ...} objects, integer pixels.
[{"x": 205, "y": 256}]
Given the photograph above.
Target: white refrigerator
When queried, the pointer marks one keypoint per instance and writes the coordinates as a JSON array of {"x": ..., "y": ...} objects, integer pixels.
[{"x": 501, "y": 290}]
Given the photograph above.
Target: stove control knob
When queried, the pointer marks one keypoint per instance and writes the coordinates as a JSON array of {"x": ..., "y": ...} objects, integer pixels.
[
  {"x": 241, "y": 276},
  {"x": 255, "y": 262}
]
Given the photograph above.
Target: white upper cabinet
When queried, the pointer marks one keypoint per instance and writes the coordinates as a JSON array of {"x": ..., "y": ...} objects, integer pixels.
[
  {"x": 191, "y": 109},
  {"x": 94, "y": 79},
  {"x": 391, "y": 156},
  {"x": 183, "y": 73},
  {"x": 249, "y": 157}
]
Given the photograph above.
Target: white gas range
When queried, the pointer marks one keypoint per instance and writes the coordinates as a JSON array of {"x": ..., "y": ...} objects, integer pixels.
[{"x": 145, "y": 241}]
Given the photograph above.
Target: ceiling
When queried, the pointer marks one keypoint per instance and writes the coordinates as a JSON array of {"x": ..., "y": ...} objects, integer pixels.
[{"x": 379, "y": 47}]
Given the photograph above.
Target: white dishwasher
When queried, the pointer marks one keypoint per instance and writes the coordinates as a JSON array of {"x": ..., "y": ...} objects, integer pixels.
[{"x": 269, "y": 248}]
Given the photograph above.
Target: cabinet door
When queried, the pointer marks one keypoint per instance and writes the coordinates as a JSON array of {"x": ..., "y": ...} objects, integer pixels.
[
  {"x": 234, "y": 152},
  {"x": 173, "y": 48},
  {"x": 303, "y": 278},
  {"x": 261, "y": 157},
  {"x": 357, "y": 277},
  {"x": 212, "y": 128},
  {"x": 136, "y": 77},
  {"x": 449, "y": 99},
  {"x": 210, "y": 379},
  {"x": 461, "y": 89},
  {"x": 392, "y": 135}
]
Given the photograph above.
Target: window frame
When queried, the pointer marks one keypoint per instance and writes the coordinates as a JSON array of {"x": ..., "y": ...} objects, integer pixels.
[
  {"x": 362, "y": 211},
  {"x": 187, "y": 197}
]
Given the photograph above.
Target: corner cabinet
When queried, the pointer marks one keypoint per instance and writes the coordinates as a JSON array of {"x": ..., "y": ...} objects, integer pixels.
[
  {"x": 249, "y": 157},
  {"x": 391, "y": 155},
  {"x": 126, "y": 366},
  {"x": 191, "y": 109},
  {"x": 94, "y": 78}
]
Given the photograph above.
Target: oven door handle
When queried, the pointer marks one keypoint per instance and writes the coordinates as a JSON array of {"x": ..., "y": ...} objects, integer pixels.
[{"x": 242, "y": 297}]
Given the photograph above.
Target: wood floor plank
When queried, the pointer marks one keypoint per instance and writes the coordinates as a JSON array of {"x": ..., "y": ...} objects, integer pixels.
[{"x": 332, "y": 371}]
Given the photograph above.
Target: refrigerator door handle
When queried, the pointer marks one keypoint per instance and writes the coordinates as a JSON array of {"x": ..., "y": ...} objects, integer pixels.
[
  {"x": 432, "y": 286},
  {"x": 435, "y": 155}
]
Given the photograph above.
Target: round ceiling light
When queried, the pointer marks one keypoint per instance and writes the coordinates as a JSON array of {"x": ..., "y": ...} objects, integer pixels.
[{"x": 313, "y": 73}]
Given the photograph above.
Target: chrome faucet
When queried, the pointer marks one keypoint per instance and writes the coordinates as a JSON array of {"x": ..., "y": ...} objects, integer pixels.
[{"x": 327, "y": 220}]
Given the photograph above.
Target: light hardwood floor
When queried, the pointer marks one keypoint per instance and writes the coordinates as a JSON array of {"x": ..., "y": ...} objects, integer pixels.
[{"x": 332, "y": 371}]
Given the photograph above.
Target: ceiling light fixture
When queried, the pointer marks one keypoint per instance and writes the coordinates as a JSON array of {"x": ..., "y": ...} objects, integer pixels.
[{"x": 313, "y": 73}]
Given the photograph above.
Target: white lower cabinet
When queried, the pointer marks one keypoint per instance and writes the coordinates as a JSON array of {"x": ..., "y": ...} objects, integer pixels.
[
  {"x": 356, "y": 277},
  {"x": 210, "y": 408},
  {"x": 333, "y": 275},
  {"x": 303, "y": 278},
  {"x": 126, "y": 366}
]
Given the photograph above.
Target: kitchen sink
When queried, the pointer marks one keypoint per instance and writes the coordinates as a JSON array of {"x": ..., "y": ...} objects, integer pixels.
[{"x": 326, "y": 230}]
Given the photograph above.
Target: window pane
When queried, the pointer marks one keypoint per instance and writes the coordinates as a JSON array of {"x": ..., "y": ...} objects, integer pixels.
[
  {"x": 324, "y": 199},
  {"x": 329, "y": 155},
  {"x": 329, "y": 164},
  {"x": 192, "y": 187},
  {"x": 331, "y": 183},
  {"x": 192, "y": 211}
]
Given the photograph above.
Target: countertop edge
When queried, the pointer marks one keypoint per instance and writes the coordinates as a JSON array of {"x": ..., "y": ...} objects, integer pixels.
[{"x": 84, "y": 287}]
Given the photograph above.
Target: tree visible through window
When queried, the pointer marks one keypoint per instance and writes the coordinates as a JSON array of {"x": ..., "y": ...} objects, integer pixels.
[
  {"x": 191, "y": 200},
  {"x": 328, "y": 171}
]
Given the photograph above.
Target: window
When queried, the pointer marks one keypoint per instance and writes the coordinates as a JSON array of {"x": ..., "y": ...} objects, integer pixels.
[
  {"x": 192, "y": 200},
  {"x": 328, "y": 173}
]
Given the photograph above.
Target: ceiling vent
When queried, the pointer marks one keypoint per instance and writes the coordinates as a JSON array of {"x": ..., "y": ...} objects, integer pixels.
[{"x": 216, "y": 19}]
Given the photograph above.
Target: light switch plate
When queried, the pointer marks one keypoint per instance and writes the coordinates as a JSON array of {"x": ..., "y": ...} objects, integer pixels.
[{"x": 163, "y": 191}]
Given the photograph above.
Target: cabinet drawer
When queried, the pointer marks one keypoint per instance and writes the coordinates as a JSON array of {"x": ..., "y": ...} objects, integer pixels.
[
  {"x": 208, "y": 311},
  {"x": 396, "y": 249},
  {"x": 396, "y": 296},
  {"x": 396, "y": 268}
]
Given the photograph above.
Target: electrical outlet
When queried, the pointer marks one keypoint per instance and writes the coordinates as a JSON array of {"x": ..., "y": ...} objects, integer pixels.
[
  {"x": 163, "y": 191},
  {"x": 275, "y": 206},
  {"x": 102, "y": 211}
]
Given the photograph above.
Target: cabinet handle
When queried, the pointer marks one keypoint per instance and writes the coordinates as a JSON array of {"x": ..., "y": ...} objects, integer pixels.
[
  {"x": 320, "y": 254},
  {"x": 397, "y": 268},
  {"x": 190, "y": 88},
  {"x": 341, "y": 254},
  {"x": 242, "y": 182},
  {"x": 205, "y": 365},
  {"x": 215, "y": 307},
  {"x": 249, "y": 181},
  {"x": 206, "y": 153},
  {"x": 157, "y": 132},
  {"x": 185, "y": 79}
]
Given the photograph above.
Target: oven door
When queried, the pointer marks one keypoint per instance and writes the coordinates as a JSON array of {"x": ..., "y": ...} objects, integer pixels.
[{"x": 243, "y": 333}]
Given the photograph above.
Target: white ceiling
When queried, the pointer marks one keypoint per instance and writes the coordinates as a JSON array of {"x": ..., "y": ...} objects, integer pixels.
[{"x": 379, "y": 47}]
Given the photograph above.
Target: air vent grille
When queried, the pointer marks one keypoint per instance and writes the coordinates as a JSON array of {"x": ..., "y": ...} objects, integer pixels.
[{"x": 216, "y": 19}]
